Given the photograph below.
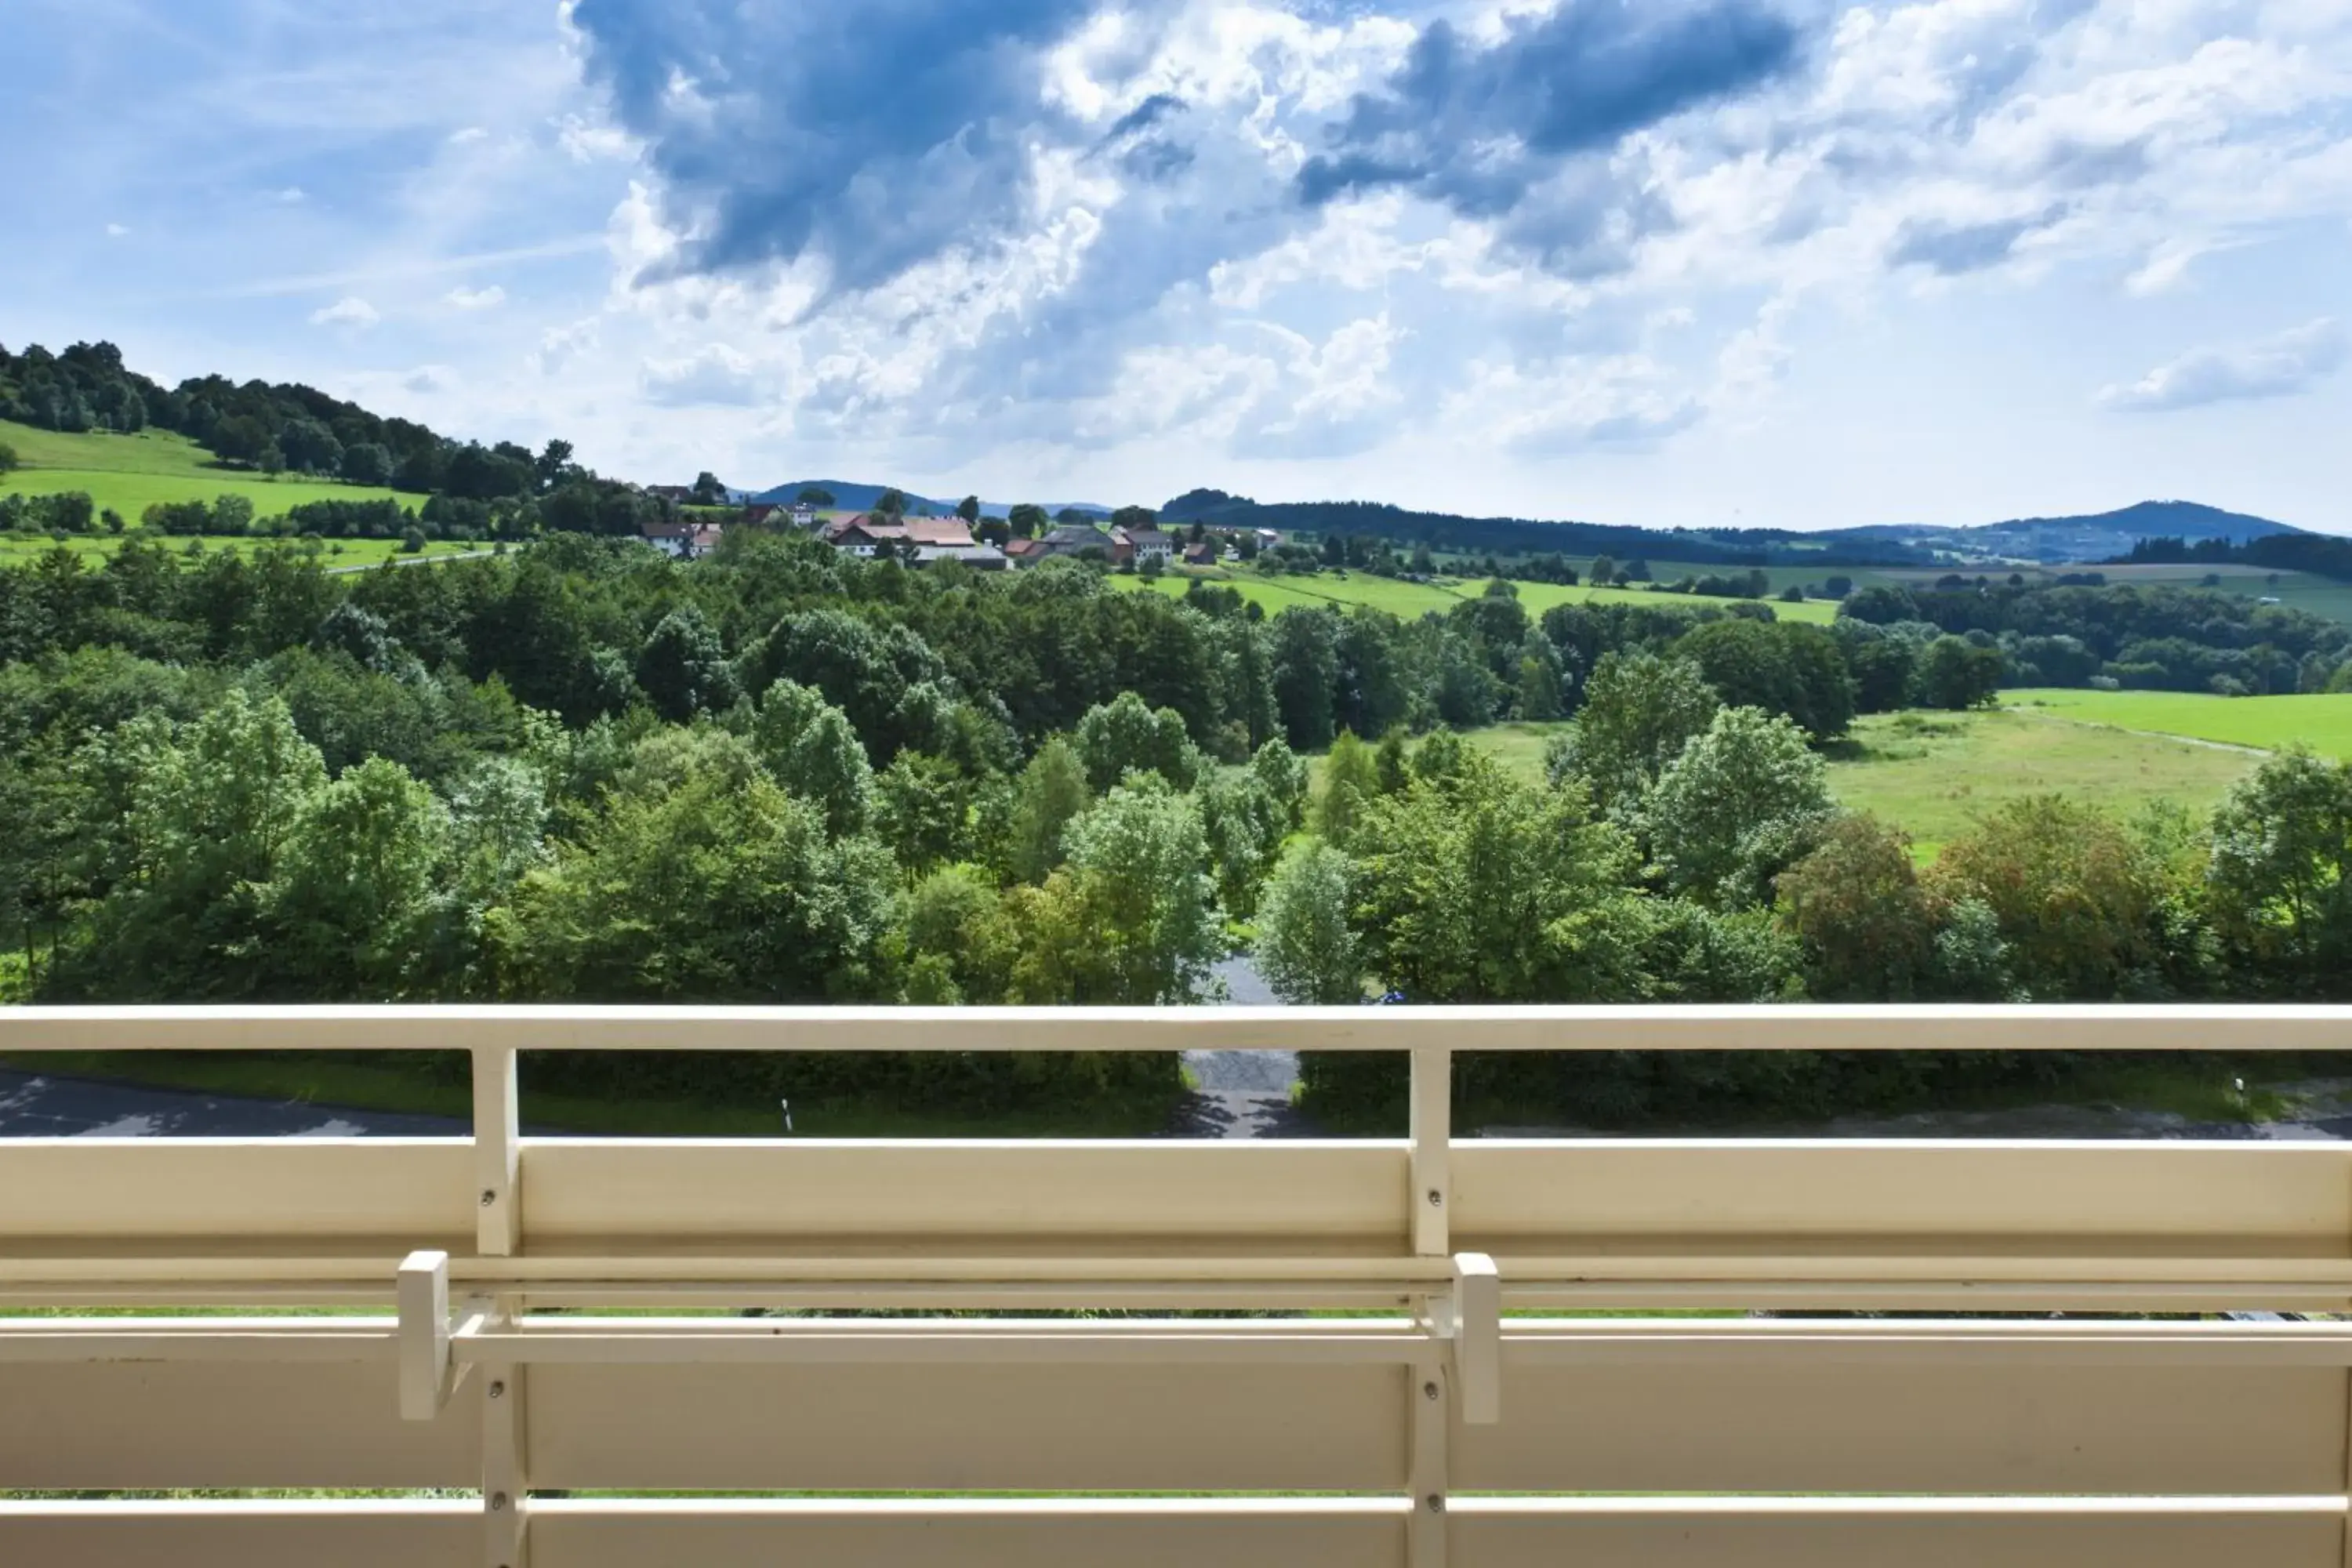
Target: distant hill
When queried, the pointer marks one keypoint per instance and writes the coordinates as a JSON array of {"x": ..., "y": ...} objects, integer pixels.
[
  {"x": 2099, "y": 537},
  {"x": 1446, "y": 530},
  {"x": 2048, "y": 540},
  {"x": 851, "y": 496}
]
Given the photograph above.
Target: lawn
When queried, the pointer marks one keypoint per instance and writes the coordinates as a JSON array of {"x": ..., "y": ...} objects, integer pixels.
[
  {"x": 130, "y": 473},
  {"x": 1935, "y": 775},
  {"x": 1412, "y": 599},
  {"x": 2268, "y": 723}
]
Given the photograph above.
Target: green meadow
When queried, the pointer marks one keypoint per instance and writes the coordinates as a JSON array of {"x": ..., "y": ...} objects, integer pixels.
[
  {"x": 1935, "y": 774},
  {"x": 1411, "y": 599},
  {"x": 2266, "y": 723},
  {"x": 128, "y": 474}
]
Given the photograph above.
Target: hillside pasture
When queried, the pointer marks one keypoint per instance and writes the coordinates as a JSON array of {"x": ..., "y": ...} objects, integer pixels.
[{"x": 128, "y": 474}]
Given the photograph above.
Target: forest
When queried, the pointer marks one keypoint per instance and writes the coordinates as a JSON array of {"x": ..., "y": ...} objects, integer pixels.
[{"x": 580, "y": 770}]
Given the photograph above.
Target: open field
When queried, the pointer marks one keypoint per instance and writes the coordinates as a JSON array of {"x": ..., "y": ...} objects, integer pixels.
[
  {"x": 132, "y": 473},
  {"x": 2268, "y": 723},
  {"x": 1411, "y": 599},
  {"x": 333, "y": 552},
  {"x": 1935, "y": 774}
]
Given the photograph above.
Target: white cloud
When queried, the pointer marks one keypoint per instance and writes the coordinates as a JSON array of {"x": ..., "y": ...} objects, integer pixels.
[
  {"x": 292, "y": 195},
  {"x": 460, "y": 137},
  {"x": 2281, "y": 366},
  {"x": 115, "y": 231},
  {"x": 464, "y": 298},
  {"x": 717, "y": 375},
  {"x": 351, "y": 310}
]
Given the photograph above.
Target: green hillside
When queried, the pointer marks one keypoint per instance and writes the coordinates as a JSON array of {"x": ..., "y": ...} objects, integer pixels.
[
  {"x": 130, "y": 473},
  {"x": 1409, "y": 599}
]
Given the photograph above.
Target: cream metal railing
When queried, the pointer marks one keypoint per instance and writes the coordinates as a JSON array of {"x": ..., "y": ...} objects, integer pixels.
[{"x": 550, "y": 1375}]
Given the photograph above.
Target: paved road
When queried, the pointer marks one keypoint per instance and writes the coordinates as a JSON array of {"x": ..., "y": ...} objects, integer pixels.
[
  {"x": 34, "y": 1105},
  {"x": 1242, "y": 1094}
]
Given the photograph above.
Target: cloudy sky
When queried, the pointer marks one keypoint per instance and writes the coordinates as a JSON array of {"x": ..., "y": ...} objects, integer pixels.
[{"x": 1788, "y": 262}]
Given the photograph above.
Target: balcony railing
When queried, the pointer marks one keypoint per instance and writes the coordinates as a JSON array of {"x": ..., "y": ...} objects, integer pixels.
[{"x": 508, "y": 1349}]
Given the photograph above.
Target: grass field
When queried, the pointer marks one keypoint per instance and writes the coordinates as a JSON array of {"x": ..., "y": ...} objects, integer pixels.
[
  {"x": 333, "y": 552},
  {"x": 1935, "y": 774},
  {"x": 1412, "y": 599},
  {"x": 132, "y": 473},
  {"x": 2267, "y": 723}
]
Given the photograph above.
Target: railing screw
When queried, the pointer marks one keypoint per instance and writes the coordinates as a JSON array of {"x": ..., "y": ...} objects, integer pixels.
[
  {"x": 490, "y": 1197},
  {"x": 1428, "y": 1391},
  {"x": 1436, "y": 1503},
  {"x": 1436, "y": 1198},
  {"x": 498, "y": 1391},
  {"x": 498, "y": 1502}
]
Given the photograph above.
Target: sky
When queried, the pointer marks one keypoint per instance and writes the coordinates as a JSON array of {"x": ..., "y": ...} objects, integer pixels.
[{"x": 1694, "y": 263}]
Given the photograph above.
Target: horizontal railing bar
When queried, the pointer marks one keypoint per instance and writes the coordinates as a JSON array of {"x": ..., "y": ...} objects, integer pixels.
[
  {"x": 1860, "y": 1267},
  {"x": 1229, "y": 1505},
  {"x": 2133, "y": 1027},
  {"x": 1529, "y": 1342}
]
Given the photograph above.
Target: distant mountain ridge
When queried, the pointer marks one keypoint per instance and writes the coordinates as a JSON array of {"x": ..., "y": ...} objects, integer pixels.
[
  {"x": 851, "y": 496},
  {"x": 2097, "y": 537},
  {"x": 2053, "y": 541}
]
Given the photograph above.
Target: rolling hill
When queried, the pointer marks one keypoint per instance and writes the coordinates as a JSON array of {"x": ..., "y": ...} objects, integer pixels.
[
  {"x": 851, "y": 496},
  {"x": 2098, "y": 537}
]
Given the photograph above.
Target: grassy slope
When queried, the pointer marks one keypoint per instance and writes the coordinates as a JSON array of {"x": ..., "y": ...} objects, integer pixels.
[
  {"x": 130, "y": 473},
  {"x": 2270, "y": 724},
  {"x": 1409, "y": 599}
]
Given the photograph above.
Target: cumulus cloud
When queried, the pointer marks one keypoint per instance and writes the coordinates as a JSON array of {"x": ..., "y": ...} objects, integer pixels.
[
  {"x": 464, "y": 298},
  {"x": 2281, "y": 366},
  {"x": 115, "y": 231},
  {"x": 717, "y": 375},
  {"x": 1478, "y": 125},
  {"x": 871, "y": 136},
  {"x": 1298, "y": 229},
  {"x": 351, "y": 310}
]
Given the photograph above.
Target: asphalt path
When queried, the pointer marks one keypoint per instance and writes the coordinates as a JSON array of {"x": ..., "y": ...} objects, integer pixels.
[{"x": 39, "y": 1105}]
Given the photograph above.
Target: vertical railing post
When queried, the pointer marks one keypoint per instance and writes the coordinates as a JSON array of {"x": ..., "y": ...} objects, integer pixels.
[
  {"x": 497, "y": 1172},
  {"x": 498, "y": 1161},
  {"x": 1433, "y": 1136},
  {"x": 1431, "y": 1417},
  {"x": 1431, "y": 1197}
]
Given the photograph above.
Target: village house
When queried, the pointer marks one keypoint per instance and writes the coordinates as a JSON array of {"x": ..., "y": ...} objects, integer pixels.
[
  {"x": 924, "y": 538},
  {"x": 1138, "y": 545},
  {"x": 684, "y": 541},
  {"x": 1202, "y": 554}
]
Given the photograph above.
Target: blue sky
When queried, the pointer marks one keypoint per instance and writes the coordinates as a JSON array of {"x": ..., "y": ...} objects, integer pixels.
[{"x": 1692, "y": 262}]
